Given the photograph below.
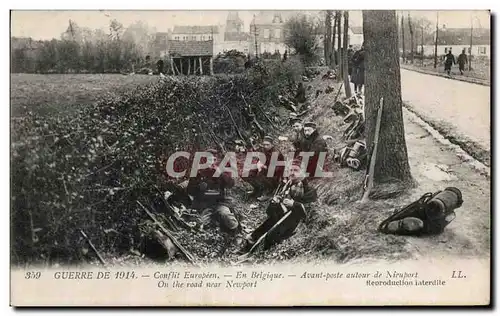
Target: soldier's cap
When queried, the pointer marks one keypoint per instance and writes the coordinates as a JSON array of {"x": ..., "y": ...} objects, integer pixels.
[
  {"x": 267, "y": 139},
  {"x": 293, "y": 115},
  {"x": 295, "y": 120},
  {"x": 310, "y": 124}
]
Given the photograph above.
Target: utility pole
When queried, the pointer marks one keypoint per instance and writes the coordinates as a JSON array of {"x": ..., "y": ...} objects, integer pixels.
[
  {"x": 470, "y": 48},
  {"x": 403, "y": 36},
  {"x": 213, "y": 42},
  {"x": 422, "y": 50},
  {"x": 255, "y": 36},
  {"x": 436, "y": 41},
  {"x": 410, "y": 25},
  {"x": 339, "y": 44}
]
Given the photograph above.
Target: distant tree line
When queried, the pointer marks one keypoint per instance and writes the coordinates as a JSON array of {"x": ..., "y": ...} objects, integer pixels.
[{"x": 81, "y": 50}]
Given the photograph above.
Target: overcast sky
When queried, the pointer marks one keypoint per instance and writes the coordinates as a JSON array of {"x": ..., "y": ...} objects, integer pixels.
[{"x": 50, "y": 24}]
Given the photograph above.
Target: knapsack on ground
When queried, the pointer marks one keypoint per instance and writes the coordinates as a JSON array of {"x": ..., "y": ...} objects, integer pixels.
[{"x": 429, "y": 215}]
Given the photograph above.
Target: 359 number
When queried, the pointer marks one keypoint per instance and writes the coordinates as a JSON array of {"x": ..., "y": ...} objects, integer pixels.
[{"x": 33, "y": 275}]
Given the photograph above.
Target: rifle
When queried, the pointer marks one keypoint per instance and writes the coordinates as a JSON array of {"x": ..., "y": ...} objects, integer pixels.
[
  {"x": 175, "y": 218},
  {"x": 186, "y": 254},
  {"x": 234, "y": 122},
  {"x": 369, "y": 177},
  {"x": 101, "y": 259},
  {"x": 280, "y": 193},
  {"x": 262, "y": 111},
  {"x": 246, "y": 255},
  {"x": 338, "y": 92}
]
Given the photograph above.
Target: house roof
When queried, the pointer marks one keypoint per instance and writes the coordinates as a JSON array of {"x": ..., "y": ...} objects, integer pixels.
[
  {"x": 196, "y": 29},
  {"x": 233, "y": 16},
  {"x": 161, "y": 34},
  {"x": 268, "y": 17},
  {"x": 462, "y": 36},
  {"x": 233, "y": 37},
  {"x": 191, "y": 48}
]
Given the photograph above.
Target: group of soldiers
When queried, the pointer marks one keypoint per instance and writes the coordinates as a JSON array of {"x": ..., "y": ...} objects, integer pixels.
[
  {"x": 285, "y": 191},
  {"x": 280, "y": 191}
]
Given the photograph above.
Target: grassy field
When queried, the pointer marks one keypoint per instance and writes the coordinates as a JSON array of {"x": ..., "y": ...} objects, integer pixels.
[{"x": 48, "y": 94}]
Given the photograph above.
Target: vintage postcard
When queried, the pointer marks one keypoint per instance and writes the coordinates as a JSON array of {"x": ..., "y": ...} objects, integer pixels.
[{"x": 250, "y": 158}]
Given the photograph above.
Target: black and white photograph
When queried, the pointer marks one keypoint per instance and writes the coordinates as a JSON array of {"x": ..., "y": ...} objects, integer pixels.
[{"x": 233, "y": 151}]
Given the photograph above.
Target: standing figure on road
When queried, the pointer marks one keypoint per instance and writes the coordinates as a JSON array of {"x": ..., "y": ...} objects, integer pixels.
[
  {"x": 159, "y": 66},
  {"x": 462, "y": 60},
  {"x": 358, "y": 69},
  {"x": 449, "y": 60}
]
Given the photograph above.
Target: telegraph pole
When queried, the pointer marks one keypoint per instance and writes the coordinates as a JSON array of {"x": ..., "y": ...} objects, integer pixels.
[
  {"x": 422, "y": 50},
  {"x": 436, "y": 41},
  {"x": 410, "y": 25},
  {"x": 470, "y": 48},
  {"x": 403, "y": 36},
  {"x": 255, "y": 36}
]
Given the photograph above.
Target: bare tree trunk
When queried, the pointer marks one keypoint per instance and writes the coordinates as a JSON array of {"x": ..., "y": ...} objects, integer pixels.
[
  {"x": 403, "y": 36},
  {"x": 422, "y": 46},
  {"x": 411, "y": 38},
  {"x": 470, "y": 47},
  {"x": 339, "y": 43},
  {"x": 383, "y": 79},
  {"x": 334, "y": 53},
  {"x": 328, "y": 37},
  {"x": 436, "y": 41},
  {"x": 344, "y": 54}
]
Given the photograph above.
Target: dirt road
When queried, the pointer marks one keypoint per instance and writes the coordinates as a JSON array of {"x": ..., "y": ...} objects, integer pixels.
[
  {"x": 464, "y": 105},
  {"x": 436, "y": 167}
]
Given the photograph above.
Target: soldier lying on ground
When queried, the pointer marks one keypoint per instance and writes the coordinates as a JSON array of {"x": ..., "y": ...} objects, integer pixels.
[
  {"x": 209, "y": 195},
  {"x": 329, "y": 75},
  {"x": 293, "y": 196},
  {"x": 286, "y": 103}
]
